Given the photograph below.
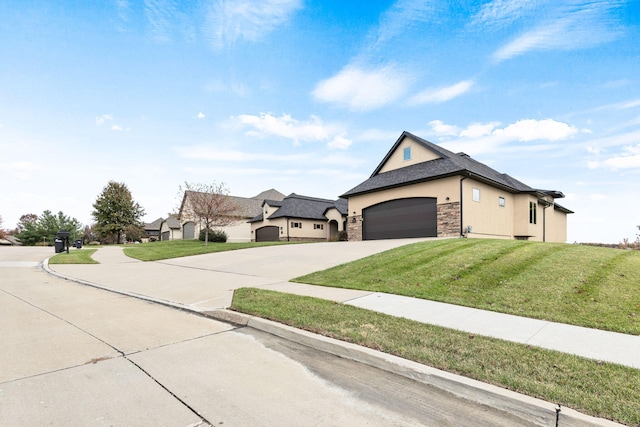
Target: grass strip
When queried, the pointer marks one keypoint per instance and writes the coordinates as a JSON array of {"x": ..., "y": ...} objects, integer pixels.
[
  {"x": 596, "y": 388},
  {"x": 156, "y": 251},
  {"x": 579, "y": 285},
  {"x": 75, "y": 256}
]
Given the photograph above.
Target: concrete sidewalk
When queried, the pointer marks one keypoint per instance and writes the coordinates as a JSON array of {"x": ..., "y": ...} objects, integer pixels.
[{"x": 205, "y": 283}]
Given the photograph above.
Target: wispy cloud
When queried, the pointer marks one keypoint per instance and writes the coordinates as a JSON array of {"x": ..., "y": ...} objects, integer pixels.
[
  {"x": 228, "y": 21},
  {"x": 103, "y": 118},
  {"x": 565, "y": 26},
  {"x": 285, "y": 126},
  {"x": 362, "y": 89},
  {"x": 629, "y": 158},
  {"x": 402, "y": 15},
  {"x": 443, "y": 94},
  {"x": 499, "y": 13}
]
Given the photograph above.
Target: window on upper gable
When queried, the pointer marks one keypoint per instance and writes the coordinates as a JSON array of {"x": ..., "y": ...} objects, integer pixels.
[
  {"x": 501, "y": 202},
  {"x": 407, "y": 153}
]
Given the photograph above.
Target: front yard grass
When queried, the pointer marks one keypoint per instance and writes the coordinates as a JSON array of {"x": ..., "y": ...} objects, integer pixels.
[
  {"x": 575, "y": 284},
  {"x": 591, "y": 387},
  {"x": 75, "y": 256},
  {"x": 155, "y": 251}
]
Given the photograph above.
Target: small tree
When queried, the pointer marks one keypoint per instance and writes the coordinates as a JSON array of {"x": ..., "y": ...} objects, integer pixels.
[
  {"x": 33, "y": 229},
  {"x": 210, "y": 203},
  {"x": 2, "y": 232},
  {"x": 115, "y": 209}
]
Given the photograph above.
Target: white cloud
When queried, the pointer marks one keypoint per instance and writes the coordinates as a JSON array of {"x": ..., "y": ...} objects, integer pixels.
[
  {"x": 402, "y": 15},
  {"x": 116, "y": 128},
  {"x": 100, "y": 120},
  {"x": 285, "y": 126},
  {"x": 442, "y": 129},
  {"x": 531, "y": 130},
  {"x": 230, "y": 21},
  {"x": 598, "y": 197},
  {"x": 201, "y": 115},
  {"x": 433, "y": 96},
  {"x": 478, "y": 130},
  {"x": 503, "y": 12},
  {"x": 576, "y": 25},
  {"x": 362, "y": 90},
  {"x": 628, "y": 159},
  {"x": 488, "y": 137},
  {"x": 340, "y": 142}
]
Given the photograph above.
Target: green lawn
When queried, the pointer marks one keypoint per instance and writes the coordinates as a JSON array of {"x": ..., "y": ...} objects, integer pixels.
[
  {"x": 75, "y": 256},
  {"x": 580, "y": 285},
  {"x": 599, "y": 389},
  {"x": 155, "y": 251}
]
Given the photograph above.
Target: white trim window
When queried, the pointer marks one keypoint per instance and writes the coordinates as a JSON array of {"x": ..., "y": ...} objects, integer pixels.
[
  {"x": 475, "y": 194},
  {"x": 501, "y": 202}
]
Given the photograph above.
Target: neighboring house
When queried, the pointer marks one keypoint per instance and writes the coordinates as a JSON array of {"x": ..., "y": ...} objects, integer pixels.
[
  {"x": 170, "y": 229},
  {"x": 299, "y": 218},
  {"x": 152, "y": 230},
  {"x": 423, "y": 190},
  {"x": 240, "y": 230}
]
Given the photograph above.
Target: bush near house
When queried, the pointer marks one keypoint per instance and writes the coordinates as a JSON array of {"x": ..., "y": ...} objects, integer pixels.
[{"x": 216, "y": 236}]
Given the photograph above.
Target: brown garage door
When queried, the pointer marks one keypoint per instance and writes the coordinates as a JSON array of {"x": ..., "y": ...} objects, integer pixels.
[
  {"x": 402, "y": 218},
  {"x": 269, "y": 233}
]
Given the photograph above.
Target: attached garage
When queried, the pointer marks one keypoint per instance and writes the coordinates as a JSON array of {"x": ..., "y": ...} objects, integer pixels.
[
  {"x": 189, "y": 230},
  {"x": 269, "y": 233},
  {"x": 401, "y": 218}
]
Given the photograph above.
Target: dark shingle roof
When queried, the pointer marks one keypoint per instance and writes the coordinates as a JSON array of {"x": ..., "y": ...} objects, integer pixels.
[
  {"x": 155, "y": 225},
  {"x": 303, "y": 207},
  {"x": 449, "y": 164}
]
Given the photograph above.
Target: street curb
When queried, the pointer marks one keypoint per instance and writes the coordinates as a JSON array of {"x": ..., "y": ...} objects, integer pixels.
[{"x": 527, "y": 408}]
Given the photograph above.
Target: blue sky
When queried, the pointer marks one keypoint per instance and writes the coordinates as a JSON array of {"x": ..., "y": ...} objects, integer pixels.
[{"x": 308, "y": 96}]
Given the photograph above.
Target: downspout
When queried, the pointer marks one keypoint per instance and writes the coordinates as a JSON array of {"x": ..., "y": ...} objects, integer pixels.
[
  {"x": 461, "y": 210},
  {"x": 287, "y": 219}
]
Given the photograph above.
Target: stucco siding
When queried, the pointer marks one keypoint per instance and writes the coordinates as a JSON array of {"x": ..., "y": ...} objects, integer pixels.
[
  {"x": 419, "y": 154},
  {"x": 485, "y": 215}
]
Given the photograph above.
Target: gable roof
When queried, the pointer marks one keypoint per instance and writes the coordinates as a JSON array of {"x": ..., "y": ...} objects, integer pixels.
[
  {"x": 449, "y": 164},
  {"x": 155, "y": 225},
  {"x": 303, "y": 207},
  {"x": 247, "y": 207},
  {"x": 270, "y": 194}
]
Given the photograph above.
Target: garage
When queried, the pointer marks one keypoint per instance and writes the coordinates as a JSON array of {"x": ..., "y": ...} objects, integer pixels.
[
  {"x": 269, "y": 233},
  {"x": 401, "y": 218}
]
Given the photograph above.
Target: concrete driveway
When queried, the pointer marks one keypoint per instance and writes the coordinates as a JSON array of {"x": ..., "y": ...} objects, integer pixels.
[{"x": 206, "y": 282}]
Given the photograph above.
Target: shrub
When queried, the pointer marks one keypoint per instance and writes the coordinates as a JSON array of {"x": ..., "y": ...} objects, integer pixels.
[{"x": 217, "y": 236}]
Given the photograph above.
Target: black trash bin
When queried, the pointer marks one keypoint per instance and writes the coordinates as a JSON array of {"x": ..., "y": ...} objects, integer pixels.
[
  {"x": 78, "y": 244},
  {"x": 58, "y": 244}
]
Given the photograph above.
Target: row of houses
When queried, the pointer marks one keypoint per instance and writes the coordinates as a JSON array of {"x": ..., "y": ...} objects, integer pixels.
[{"x": 419, "y": 189}]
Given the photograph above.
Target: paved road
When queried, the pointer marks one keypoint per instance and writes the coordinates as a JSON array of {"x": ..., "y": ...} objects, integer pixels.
[{"x": 75, "y": 355}]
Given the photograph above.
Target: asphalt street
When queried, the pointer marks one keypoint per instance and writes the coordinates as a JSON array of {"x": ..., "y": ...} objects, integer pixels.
[{"x": 75, "y": 355}]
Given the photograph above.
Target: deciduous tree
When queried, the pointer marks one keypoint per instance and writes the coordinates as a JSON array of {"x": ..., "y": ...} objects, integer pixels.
[
  {"x": 115, "y": 210},
  {"x": 210, "y": 204},
  {"x": 2, "y": 232}
]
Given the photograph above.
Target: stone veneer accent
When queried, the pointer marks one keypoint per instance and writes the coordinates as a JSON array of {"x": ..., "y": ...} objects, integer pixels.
[
  {"x": 449, "y": 219},
  {"x": 354, "y": 229}
]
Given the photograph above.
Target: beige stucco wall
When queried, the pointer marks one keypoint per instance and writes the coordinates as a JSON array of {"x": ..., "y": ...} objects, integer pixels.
[
  {"x": 419, "y": 154},
  {"x": 441, "y": 189},
  {"x": 287, "y": 232},
  {"x": 174, "y": 233},
  {"x": 486, "y": 217}
]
